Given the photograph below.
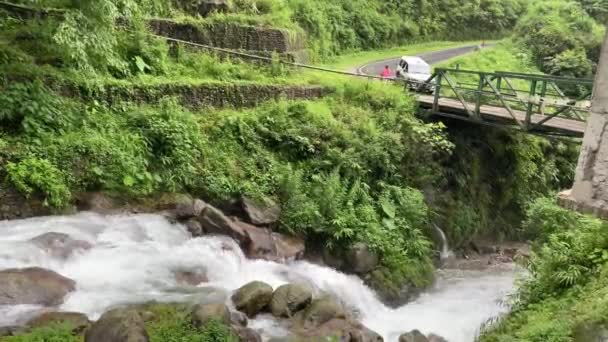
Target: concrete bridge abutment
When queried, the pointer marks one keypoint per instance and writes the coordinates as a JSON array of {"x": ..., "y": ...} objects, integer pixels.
[{"x": 590, "y": 191}]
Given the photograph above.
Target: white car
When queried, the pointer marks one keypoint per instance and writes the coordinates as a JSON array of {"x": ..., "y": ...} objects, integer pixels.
[{"x": 416, "y": 71}]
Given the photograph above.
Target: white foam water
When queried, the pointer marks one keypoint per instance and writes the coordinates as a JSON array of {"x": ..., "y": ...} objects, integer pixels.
[{"x": 133, "y": 257}]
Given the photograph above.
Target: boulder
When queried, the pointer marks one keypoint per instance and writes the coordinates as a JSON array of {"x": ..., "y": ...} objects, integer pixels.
[
  {"x": 252, "y": 298},
  {"x": 262, "y": 243},
  {"x": 261, "y": 213},
  {"x": 194, "y": 227},
  {"x": 333, "y": 258},
  {"x": 78, "y": 321},
  {"x": 289, "y": 247},
  {"x": 33, "y": 286},
  {"x": 289, "y": 299},
  {"x": 192, "y": 277},
  {"x": 118, "y": 325},
  {"x": 238, "y": 319},
  {"x": 591, "y": 332},
  {"x": 340, "y": 329},
  {"x": 214, "y": 221},
  {"x": 247, "y": 334},
  {"x": 98, "y": 202},
  {"x": 319, "y": 311},
  {"x": 188, "y": 208},
  {"x": 413, "y": 336},
  {"x": 203, "y": 314},
  {"x": 59, "y": 245},
  {"x": 436, "y": 338},
  {"x": 360, "y": 259}
]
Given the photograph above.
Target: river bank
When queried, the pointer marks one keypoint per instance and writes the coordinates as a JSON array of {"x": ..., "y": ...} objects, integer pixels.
[{"x": 132, "y": 259}]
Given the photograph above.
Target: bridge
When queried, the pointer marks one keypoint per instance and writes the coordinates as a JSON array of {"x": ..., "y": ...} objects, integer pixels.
[{"x": 539, "y": 104}]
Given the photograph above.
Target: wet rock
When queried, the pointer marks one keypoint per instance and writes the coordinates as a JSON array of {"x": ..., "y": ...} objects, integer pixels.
[
  {"x": 59, "y": 245},
  {"x": 341, "y": 329},
  {"x": 118, "y": 325},
  {"x": 260, "y": 243},
  {"x": 214, "y": 221},
  {"x": 203, "y": 314},
  {"x": 267, "y": 245},
  {"x": 33, "y": 286},
  {"x": 289, "y": 299},
  {"x": 413, "y": 336},
  {"x": 436, "y": 338},
  {"x": 591, "y": 332},
  {"x": 319, "y": 311},
  {"x": 78, "y": 321},
  {"x": 261, "y": 213},
  {"x": 191, "y": 277},
  {"x": 238, "y": 319},
  {"x": 390, "y": 293},
  {"x": 188, "y": 208},
  {"x": 360, "y": 259},
  {"x": 98, "y": 202},
  {"x": 289, "y": 247},
  {"x": 247, "y": 334},
  {"x": 194, "y": 228},
  {"x": 252, "y": 298},
  {"x": 333, "y": 258}
]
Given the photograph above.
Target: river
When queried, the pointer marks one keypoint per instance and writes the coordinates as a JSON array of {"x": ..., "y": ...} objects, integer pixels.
[{"x": 133, "y": 258}]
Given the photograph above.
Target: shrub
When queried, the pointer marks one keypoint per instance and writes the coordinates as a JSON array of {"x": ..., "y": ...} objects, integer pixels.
[
  {"x": 39, "y": 175},
  {"x": 55, "y": 333}
]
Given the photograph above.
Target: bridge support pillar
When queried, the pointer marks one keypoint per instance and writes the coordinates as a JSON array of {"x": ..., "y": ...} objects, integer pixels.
[{"x": 590, "y": 191}]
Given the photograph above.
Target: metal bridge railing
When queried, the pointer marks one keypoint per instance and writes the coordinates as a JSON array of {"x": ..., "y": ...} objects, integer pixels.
[{"x": 530, "y": 100}]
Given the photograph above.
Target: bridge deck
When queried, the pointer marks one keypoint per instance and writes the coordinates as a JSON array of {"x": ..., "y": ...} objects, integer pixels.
[{"x": 454, "y": 108}]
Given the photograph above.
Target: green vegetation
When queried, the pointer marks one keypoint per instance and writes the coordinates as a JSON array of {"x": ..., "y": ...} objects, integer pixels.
[
  {"x": 564, "y": 298},
  {"x": 355, "y": 166},
  {"x": 505, "y": 56},
  {"x": 169, "y": 323}
]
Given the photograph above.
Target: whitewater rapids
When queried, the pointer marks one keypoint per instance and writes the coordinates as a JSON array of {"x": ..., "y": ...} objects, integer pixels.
[{"x": 133, "y": 258}]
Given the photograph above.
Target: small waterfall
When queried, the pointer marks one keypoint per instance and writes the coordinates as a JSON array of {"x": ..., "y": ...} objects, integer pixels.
[
  {"x": 132, "y": 257},
  {"x": 445, "y": 253}
]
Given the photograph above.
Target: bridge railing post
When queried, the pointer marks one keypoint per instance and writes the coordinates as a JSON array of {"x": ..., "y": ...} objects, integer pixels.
[
  {"x": 530, "y": 104},
  {"x": 478, "y": 93},
  {"x": 439, "y": 79}
]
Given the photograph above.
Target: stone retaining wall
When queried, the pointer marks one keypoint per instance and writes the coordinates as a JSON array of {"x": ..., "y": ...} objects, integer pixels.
[
  {"x": 208, "y": 95},
  {"x": 230, "y": 36},
  {"x": 13, "y": 205}
]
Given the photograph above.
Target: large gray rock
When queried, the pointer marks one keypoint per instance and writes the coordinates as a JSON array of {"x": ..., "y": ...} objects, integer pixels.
[
  {"x": 214, "y": 221},
  {"x": 261, "y": 213},
  {"x": 247, "y": 334},
  {"x": 78, "y": 321},
  {"x": 340, "y": 329},
  {"x": 33, "y": 286},
  {"x": 262, "y": 243},
  {"x": 118, "y": 325},
  {"x": 252, "y": 298},
  {"x": 203, "y": 314},
  {"x": 289, "y": 299},
  {"x": 59, "y": 245},
  {"x": 360, "y": 259},
  {"x": 413, "y": 336},
  {"x": 436, "y": 338},
  {"x": 319, "y": 311}
]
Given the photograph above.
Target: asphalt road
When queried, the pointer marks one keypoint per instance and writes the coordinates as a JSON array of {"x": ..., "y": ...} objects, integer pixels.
[{"x": 376, "y": 68}]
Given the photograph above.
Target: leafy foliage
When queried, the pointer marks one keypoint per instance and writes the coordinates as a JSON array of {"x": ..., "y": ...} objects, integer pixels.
[
  {"x": 566, "y": 292},
  {"x": 174, "y": 325},
  {"x": 563, "y": 39},
  {"x": 39, "y": 175},
  {"x": 53, "y": 333}
]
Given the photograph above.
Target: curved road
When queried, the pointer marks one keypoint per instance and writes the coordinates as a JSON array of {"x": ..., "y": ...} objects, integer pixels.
[{"x": 433, "y": 57}]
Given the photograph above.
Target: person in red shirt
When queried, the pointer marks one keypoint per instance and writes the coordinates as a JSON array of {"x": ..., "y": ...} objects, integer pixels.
[{"x": 386, "y": 73}]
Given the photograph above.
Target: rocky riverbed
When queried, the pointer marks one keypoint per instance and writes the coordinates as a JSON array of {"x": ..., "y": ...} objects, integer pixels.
[{"x": 93, "y": 267}]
